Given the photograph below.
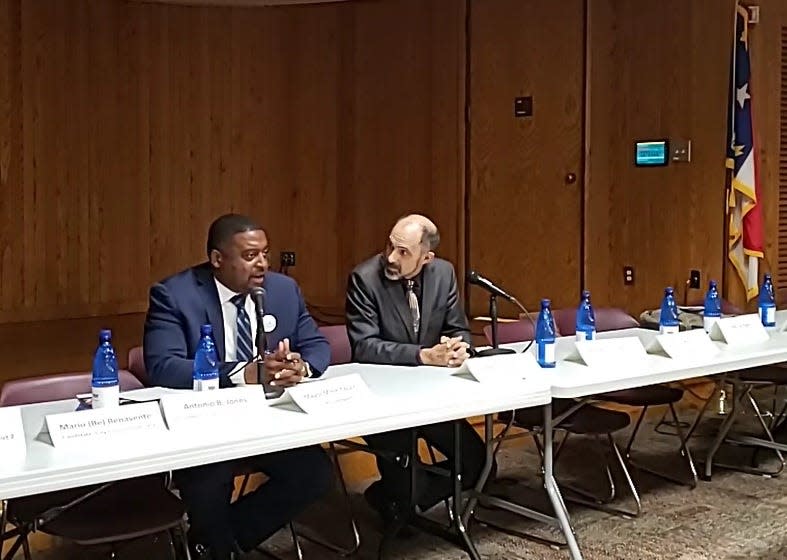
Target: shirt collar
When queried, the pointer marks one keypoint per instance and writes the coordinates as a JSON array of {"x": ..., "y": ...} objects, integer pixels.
[
  {"x": 225, "y": 294},
  {"x": 416, "y": 280}
]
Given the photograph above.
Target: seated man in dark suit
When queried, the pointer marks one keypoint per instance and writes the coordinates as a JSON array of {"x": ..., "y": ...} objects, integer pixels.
[
  {"x": 403, "y": 308},
  {"x": 216, "y": 292}
]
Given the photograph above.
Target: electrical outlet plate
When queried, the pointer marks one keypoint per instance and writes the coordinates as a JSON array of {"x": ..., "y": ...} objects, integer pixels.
[
  {"x": 628, "y": 275},
  {"x": 694, "y": 280},
  {"x": 288, "y": 258},
  {"x": 680, "y": 150}
]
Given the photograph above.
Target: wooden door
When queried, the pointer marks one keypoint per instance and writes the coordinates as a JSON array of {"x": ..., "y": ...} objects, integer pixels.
[{"x": 525, "y": 190}]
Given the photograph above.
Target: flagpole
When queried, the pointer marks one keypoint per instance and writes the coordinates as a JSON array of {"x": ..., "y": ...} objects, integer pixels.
[{"x": 725, "y": 250}]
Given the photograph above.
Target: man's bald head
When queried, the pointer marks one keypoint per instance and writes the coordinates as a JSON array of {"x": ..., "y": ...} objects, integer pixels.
[
  {"x": 420, "y": 224},
  {"x": 410, "y": 246}
]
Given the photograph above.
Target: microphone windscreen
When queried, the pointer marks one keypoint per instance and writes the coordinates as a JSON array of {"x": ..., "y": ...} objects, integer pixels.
[{"x": 258, "y": 296}]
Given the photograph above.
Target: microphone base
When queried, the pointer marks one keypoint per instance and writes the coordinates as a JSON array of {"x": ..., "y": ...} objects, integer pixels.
[{"x": 494, "y": 352}]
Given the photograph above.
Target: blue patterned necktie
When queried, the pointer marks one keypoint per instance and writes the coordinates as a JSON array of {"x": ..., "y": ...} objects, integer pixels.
[{"x": 244, "y": 346}]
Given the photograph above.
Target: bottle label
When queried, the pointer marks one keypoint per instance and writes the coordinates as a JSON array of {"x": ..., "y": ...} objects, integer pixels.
[
  {"x": 106, "y": 397},
  {"x": 669, "y": 329},
  {"x": 708, "y": 322},
  {"x": 589, "y": 334},
  {"x": 206, "y": 384},
  {"x": 546, "y": 354},
  {"x": 768, "y": 316}
]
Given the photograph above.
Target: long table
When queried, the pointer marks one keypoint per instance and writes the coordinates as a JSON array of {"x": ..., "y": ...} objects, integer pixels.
[
  {"x": 406, "y": 397},
  {"x": 570, "y": 379}
]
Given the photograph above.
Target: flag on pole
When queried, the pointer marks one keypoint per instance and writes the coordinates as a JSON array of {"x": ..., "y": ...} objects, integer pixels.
[{"x": 745, "y": 243}]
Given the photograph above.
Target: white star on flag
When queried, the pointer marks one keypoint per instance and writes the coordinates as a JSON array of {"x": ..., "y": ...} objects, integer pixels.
[{"x": 742, "y": 93}]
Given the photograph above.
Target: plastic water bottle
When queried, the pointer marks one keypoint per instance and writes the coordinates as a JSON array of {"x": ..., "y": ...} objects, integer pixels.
[
  {"x": 586, "y": 320},
  {"x": 668, "y": 321},
  {"x": 712, "y": 310},
  {"x": 105, "y": 386},
  {"x": 545, "y": 336},
  {"x": 206, "y": 363},
  {"x": 767, "y": 303}
]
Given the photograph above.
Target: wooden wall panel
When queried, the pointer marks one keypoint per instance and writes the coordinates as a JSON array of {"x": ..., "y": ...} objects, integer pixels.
[
  {"x": 655, "y": 70},
  {"x": 403, "y": 103},
  {"x": 126, "y": 127},
  {"x": 64, "y": 345},
  {"x": 76, "y": 180},
  {"x": 525, "y": 220},
  {"x": 11, "y": 192}
]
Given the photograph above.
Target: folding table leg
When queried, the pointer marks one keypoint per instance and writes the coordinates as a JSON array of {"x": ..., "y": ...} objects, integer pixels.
[
  {"x": 3, "y": 521},
  {"x": 457, "y": 531},
  {"x": 737, "y": 403},
  {"x": 552, "y": 489},
  {"x": 495, "y": 502}
]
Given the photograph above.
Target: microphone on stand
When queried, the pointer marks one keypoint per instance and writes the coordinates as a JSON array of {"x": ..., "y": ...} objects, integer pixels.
[
  {"x": 474, "y": 278},
  {"x": 258, "y": 297},
  {"x": 494, "y": 292}
]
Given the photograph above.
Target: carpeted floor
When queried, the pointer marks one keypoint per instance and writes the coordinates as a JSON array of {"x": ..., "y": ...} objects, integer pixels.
[{"x": 734, "y": 516}]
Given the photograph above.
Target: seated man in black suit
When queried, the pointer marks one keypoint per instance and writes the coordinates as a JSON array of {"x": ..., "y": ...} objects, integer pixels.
[
  {"x": 403, "y": 308},
  {"x": 217, "y": 292}
]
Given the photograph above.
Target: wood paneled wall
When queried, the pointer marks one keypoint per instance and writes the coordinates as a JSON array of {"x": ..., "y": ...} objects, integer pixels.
[
  {"x": 656, "y": 70},
  {"x": 524, "y": 217},
  {"x": 125, "y": 127}
]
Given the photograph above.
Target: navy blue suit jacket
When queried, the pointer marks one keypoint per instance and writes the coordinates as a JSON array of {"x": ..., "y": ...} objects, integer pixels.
[{"x": 180, "y": 304}]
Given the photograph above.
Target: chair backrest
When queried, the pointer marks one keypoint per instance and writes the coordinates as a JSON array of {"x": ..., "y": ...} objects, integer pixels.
[
  {"x": 607, "y": 319},
  {"x": 136, "y": 365},
  {"x": 56, "y": 387},
  {"x": 515, "y": 331},
  {"x": 727, "y": 308},
  {"x": 341, "y": 353}
]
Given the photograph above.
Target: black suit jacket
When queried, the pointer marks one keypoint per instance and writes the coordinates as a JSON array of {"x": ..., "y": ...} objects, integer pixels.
[{"x": 379, "y": 323}]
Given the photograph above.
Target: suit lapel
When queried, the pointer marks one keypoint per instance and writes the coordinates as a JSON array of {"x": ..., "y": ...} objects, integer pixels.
[
  {"x": 396, "y": 297},
  {"x": 210, "y": 296},
  {"x": 428, "y": 295}
]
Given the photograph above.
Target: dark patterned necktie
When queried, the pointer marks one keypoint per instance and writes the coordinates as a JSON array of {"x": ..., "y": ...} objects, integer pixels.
[
  {"x": 412, "y": 301},
  {"x": 244, "y": 346}
]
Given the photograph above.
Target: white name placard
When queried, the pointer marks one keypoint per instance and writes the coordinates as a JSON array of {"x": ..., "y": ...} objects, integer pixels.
[
  {"x": 336, "y": 393},
  {"x": 687, "y": 345},
  {"x": 236, "y": 406},
  {"x": 742, "y": 330},
  {"x": 87, "y": 426},
  {"x": 503, "y": 368},
  {"x": 608, "y": 353},
  {"x": 12, "y": 437}
]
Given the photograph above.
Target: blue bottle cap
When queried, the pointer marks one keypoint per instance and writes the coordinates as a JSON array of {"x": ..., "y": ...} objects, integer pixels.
[
  {"x": 767, "y": 276},
  {"x": 712, "y": 284},
  {"x": 668, "y": 291},
  {"x": 206, "y": 330},
  {"x": 545, "y": 303},
  {"x": 585, "y": 294},
  {"x": 105, "y": 335}
]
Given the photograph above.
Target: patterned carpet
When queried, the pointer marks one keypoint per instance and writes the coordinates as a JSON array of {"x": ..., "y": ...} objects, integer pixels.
[{"x": 734, "y": 516}]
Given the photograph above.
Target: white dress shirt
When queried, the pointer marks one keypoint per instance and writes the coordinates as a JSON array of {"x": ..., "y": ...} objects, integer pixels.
[{"x": 230, "y": 315}]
